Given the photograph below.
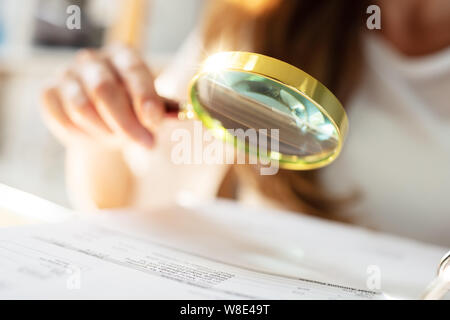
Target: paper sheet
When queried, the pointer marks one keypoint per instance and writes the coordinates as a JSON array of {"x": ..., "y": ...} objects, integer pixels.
[
  {"x": 208, "y": 250},
  {"x": 82, "y": 260}
]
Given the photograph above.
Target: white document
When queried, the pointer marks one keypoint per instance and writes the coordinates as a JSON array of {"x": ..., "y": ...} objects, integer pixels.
[
  {"x": 212, "y": 251},
  {"x": 83, "y": 260}
]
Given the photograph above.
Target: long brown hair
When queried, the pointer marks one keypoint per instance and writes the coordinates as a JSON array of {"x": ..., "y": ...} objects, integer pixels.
[{"x": 321, "y": 37}]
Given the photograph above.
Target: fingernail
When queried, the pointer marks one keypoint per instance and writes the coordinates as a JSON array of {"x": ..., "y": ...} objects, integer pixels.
[
  {"x": 72, "y": 90},
  {"x": 152, "y": 113},
  {"x": 95, "y": 74},
  {"x": 125, "y": 59}
]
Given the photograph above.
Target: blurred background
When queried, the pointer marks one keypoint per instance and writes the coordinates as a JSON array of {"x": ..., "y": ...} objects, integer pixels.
[{"x": 35, "y": 43}]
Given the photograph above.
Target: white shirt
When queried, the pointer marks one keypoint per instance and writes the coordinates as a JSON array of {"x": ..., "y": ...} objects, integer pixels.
[{"x": 397, "y": 153}]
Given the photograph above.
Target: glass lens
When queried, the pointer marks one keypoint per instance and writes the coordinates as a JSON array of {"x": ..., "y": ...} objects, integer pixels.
[{"x": 240, "y": 100}]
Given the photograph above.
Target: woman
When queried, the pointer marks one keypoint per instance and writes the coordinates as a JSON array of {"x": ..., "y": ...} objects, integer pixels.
[{"x": 394, "y": 171}]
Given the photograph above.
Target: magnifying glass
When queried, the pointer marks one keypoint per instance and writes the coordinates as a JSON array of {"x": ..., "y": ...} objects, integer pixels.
[
  {"x": 298, "y": 121},
  {"x": 441, "y": 284},
  {"x": 305, "y": 124}
]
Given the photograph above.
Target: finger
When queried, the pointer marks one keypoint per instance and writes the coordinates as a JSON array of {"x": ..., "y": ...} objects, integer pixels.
[
  {"x": 138, "y": 81},
  {"x": 80, "y": 109},
  {"x": 86, "y": 54},
  {"x": 111, "y": 101},
  {"x": 55, "y": 117}
]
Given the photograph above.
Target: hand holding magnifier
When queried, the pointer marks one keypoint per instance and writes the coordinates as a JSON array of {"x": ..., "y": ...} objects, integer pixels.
[{"x": 242, "y": 90}]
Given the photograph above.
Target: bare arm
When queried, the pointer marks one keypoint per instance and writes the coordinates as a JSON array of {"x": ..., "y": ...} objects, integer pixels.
[
  {"x": 105, "y": 101},
  {"x": 98, "y": 178}
]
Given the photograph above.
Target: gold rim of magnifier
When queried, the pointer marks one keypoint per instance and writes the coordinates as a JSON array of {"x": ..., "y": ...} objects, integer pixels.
[
  {"x": 287, "y": 75},
  {"x": 444, "y": 262}
]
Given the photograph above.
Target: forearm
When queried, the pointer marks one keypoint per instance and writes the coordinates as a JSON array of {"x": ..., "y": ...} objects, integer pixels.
[{"x": 98, "y": 177}]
